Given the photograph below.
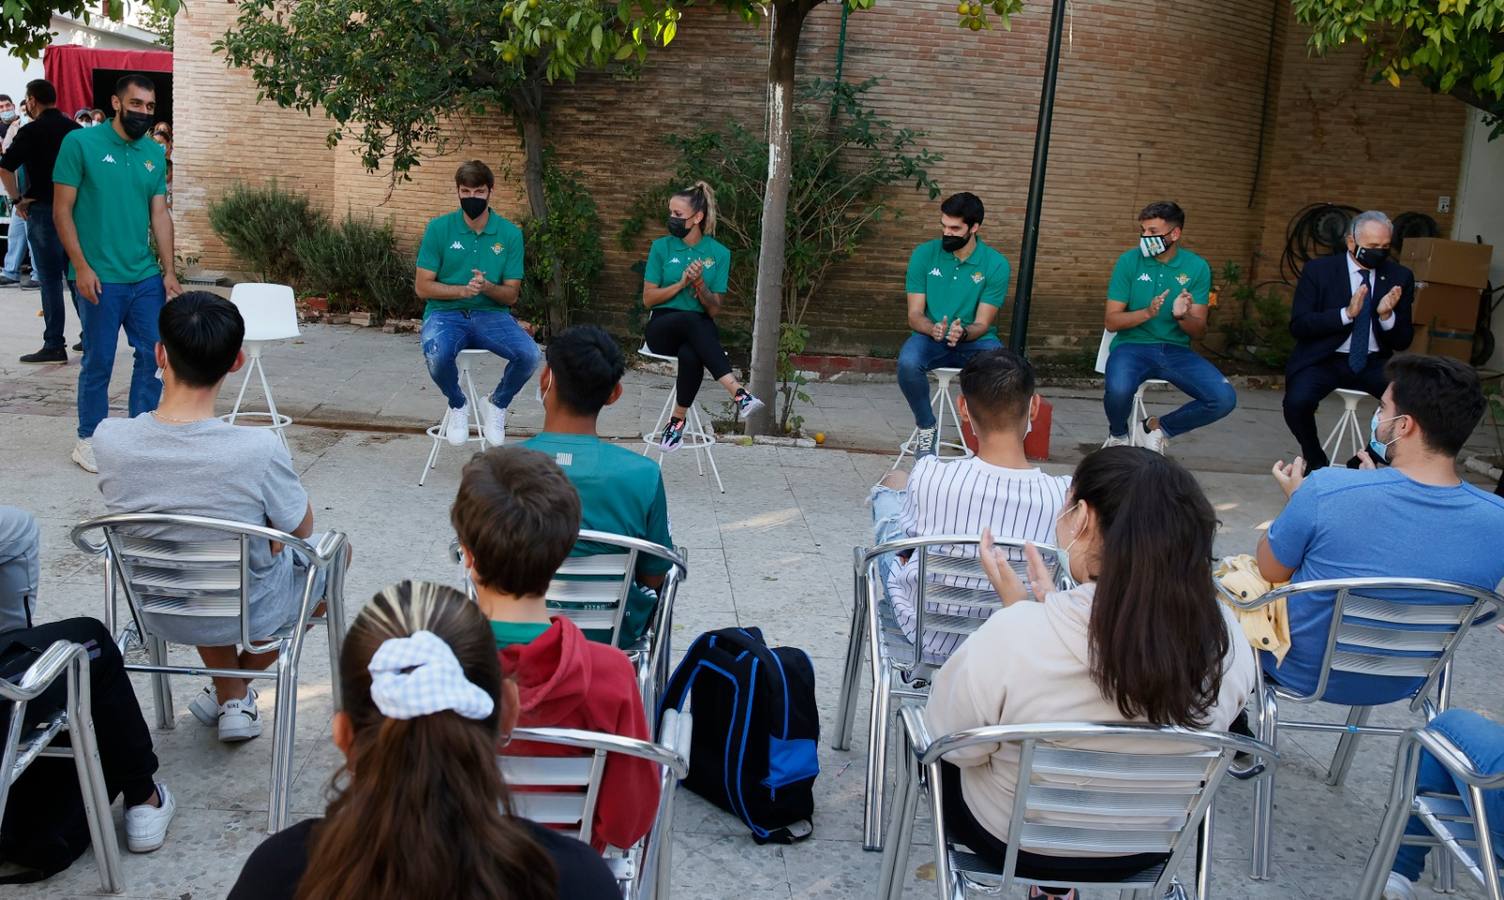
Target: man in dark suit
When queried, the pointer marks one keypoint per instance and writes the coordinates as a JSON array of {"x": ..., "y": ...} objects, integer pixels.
[{"x": 1351, "y": 313}]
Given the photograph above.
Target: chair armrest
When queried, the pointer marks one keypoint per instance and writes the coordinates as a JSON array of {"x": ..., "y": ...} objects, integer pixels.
[
  {"x": 41, "y": 674},
  {"x": 915, "y": 726},
  {"x": 328, "y": 548},
  {"x": 1453, "y": 759},
  {"x": 674, "y": 734}
]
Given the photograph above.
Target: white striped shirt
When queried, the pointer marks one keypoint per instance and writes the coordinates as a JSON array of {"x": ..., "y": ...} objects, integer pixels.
[{"x": 963, "y": 497}]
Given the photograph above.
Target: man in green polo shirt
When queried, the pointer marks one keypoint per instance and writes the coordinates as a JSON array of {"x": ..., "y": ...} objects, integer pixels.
[
  {"x": 621, "y": 491},
  {"x": 956, "y": 284},
  {"x": 109, "y": 199},
  {"x": 470, "y": 272},
  {"x": 1156, "y": 302}
]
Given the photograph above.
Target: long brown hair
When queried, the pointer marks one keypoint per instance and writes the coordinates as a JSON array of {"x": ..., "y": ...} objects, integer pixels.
[
  {"x": 423, "y": 812},
  {"x": 1157, "y": 636}
]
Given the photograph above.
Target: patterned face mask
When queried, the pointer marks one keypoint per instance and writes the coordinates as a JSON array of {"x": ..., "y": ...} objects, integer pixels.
[{"x": 1152, "y": 245}]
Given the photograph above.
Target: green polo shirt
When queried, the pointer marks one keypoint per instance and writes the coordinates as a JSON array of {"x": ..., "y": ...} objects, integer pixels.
[
  {"x": 621, "y": 492},
  {"x": 668, "y": 259},
  {"x": 954, "y": 288},
  {"x": 116, "y": 181},
  {"x": 451, "y": 250},
  {"x": 1137, "y": 280},
  {"x": 508, "y": 633}
]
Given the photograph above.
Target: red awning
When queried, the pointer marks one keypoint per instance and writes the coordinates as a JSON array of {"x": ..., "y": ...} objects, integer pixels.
[{"x": 70, "y": 68}]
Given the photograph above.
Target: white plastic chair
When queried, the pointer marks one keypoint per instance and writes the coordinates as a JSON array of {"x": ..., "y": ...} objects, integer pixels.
[
  {"x": 697, "y": 439},
  {"x": 467, "y": 360},
  {"x": 1136, "y": 434},
  {"x": 1347, "y": 428},
  {"x": 944, "y": 405},
  {"x": 271, "y": 314}
]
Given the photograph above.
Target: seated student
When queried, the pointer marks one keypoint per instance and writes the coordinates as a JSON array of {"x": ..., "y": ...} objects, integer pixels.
[
  {"x": 20, "y": 567},
  {"x": 621, "y": 491},
  {"x": 1143, "y": 639},
  {"x": 1413, "y": 519},
  {"x": 182, "y": 459},
  {"x": 1482, "y": 742},
  {"x": 996, "y": 489},
  {"x": 516, "y": 516},
  {"x": 422, "y": 809}
]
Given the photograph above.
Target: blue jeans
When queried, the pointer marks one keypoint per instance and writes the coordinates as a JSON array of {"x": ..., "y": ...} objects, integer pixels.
[
  {"x": 920, "y": 355},
  {"x": 15, "y": 247},
  {"x": 49, "y": 265},
  {"x": 1482, "y": 742},
  {"x": 887, "y": 507},
  {"x": 135, "y": 306},
  {"x": 1130, "y": 365},
  {"x": 20, "y": 567},
  {"x": 445, "y": 334}
]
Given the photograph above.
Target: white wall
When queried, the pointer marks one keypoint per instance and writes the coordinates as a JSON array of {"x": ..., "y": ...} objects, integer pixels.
[
  {"x": 1480, "y": 207},
  {"x": 100, "y": 33}
]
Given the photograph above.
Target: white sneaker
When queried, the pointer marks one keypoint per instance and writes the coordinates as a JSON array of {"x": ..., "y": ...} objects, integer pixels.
[
  {"x": 494, "y": 420},
  {"x": 83, "y": 454},
  {"x": 146, "y": 825},
  {"x": 239, "y": 720},
  {"x": 1399, "y": 888},
  {"x": 1157, "y": 441},
  {"x": 457, "y": 427},
  {"x": 205, "y": 707},
  {"x": 1115, "y": 441}
]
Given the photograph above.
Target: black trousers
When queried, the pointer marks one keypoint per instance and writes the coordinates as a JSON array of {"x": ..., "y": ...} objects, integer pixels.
[
  {"x": 125, "y": 749},
  {"x": 694, "y": 339},
  {"x": 1305, "y": 390}
]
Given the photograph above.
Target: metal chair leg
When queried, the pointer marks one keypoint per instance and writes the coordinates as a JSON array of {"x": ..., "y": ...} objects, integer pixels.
[
  {"x": 1204, "y": 858},
  {"x": 895, "y": 861},
  {"x": 284, "y": 723},
  {"x": 851, "y": 676},
  {"x": 161, "y": 688},
  {"x": 1347, "y": 745},
  {"x": 1263, "y": 789},
  {"x": 91, "y": 783},
  {"x": 879, "y": 726},
  {"x": 334, "y": 626},
  {"x": 433, "y": 454}
]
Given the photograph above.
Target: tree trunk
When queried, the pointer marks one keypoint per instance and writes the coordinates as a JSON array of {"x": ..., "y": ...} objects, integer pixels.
[
  {"x": 788, "y": 20},
  {"x": 530, "y": 121}
]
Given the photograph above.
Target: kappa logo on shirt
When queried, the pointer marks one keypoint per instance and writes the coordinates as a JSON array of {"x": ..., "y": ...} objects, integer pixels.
[
  {"x": 674, "y": 260},
  {"x": 1145, "y": 277},
  {"x": 109, "y": 158},
  {"x": 456, "y": 246},
  {"x": 935, "y": 271}
]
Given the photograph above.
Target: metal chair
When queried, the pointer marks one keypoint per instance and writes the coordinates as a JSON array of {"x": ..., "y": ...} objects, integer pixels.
[
  {"x": 70, "y": 660},
  {"x": 1371, "y": 634},
  {"x": 592, "y": 592},
  {"x": 950, "y": 575},
  {"x": 697, "y": 439},
  {"x": 1459, "y": 829},
  {"x": 270, "y": 312},
  {"x": 943, "y": 405},
  {"x": 1136, "y": 434},
  {"x": 567, "y": 788},
  {"x": 1347, "y": 427},
  {"x": 466, "y": 361},
  {"x": 1072, "y": 800},
  {"x": 210, "y": 576}
]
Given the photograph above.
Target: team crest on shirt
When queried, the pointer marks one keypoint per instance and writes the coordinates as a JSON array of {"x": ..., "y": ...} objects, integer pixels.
[
  {"x": 456, "y": 246},
  {"x": 1183, "y": 279},
  {"x": 977, "y": 277},
  {"x": 707, "y": 262},
  {"x": 496, "y": 248},
  {"x": 150, "y": 167}
]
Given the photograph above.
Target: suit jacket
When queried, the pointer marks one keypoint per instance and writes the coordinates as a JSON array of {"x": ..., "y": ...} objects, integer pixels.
[{"x": 1324, "y": 290}]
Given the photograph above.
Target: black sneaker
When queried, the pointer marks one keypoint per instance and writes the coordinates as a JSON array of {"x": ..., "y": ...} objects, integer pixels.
[
  {"x": 746, "y": 404},
  {"x": 46, "y": 356},
  {"x": 924, "y": 443},
  {"x": 78, "y": 347},
  {"x": 7, "y": 281},
  {"x": 673, "y": 435},
  {"x": 30, "y": 284}
]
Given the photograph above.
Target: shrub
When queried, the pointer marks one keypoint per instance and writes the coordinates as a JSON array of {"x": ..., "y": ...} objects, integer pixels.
[
  {"x": 568, "y": 241},
  {"x": 262, "y": 224},
  {"x": 356, "y": 262}
]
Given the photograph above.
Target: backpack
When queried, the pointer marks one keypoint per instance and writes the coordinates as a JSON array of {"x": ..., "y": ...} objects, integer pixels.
[{"x": 753, "y": 745}]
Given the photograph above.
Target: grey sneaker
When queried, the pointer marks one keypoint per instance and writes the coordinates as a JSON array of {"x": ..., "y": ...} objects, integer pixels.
[{"x": 924, "y": 443}]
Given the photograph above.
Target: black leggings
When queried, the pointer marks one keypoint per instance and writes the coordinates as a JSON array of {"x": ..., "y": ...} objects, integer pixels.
[{"x": 694, "y": 339}]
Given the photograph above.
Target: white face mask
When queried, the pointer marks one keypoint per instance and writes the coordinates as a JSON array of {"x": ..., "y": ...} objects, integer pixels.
[
  {"x": 539, "y": 392},
  {"x": 1380, "y": 448},
  {"x": 1067, "y": 548}
]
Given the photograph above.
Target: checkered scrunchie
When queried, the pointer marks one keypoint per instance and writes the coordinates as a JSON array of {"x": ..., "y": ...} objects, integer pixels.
[{"x": 419, "y": 676}]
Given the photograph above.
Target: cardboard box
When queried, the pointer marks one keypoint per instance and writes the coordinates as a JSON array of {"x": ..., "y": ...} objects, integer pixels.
[
  {"x": 1446, "y": 308},
  {"x": 1441, "y": 261},
  {"x": 1421, "y": 343},
  {"x": 1460, "y": 349}
]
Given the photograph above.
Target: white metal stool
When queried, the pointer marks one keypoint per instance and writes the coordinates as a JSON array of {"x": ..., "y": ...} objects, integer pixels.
[
  {"x": 271, "y": 314},
  {"x": 1136, "y": 434},
  {"x": 697, "y": 438},
  {"x": 942, "y": 403},
  {"x": 466, "y": 362},
  {"x": 1347, "y": 428}
]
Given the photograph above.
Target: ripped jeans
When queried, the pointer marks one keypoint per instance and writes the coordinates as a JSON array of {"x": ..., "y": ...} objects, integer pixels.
[{"x": 445, "y": 334}]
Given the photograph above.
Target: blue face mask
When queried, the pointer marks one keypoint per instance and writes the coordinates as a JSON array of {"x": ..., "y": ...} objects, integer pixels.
[{"x": 1380, "y": 449}]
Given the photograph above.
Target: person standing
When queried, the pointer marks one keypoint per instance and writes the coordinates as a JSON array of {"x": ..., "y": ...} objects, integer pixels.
[
  {"x": 15, "y": 236},
  {"x": 1156, "y": 302},
  {"x": 109, "y": 201},
  {"x": 36, "y": 148},
  {"x": 470, "y": 267},
  {"x": 955, "y": 284},
  {"x": 1350, "y": 315}
]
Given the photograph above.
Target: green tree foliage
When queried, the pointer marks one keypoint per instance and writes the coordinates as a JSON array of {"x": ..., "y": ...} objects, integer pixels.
[{"x": 26, "y": 25}]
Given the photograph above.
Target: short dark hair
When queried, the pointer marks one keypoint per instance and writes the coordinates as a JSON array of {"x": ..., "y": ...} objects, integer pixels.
[
  {"x": 1168, "y": 210},
  {"x": 6, "y": 98},
  {"x": 135, "y": 79},
  {"x": 965, "y": 206},
  {"x": 518, "y": 515},
  {"x": 1442, "y": 395},
  {"x": 997, "y": 386},
  {"x": 586, "y": 364},
  {"x": 201, "y": 333},
  {"x": 474, "y": 174},
  {"x": 42, "y": 91}
]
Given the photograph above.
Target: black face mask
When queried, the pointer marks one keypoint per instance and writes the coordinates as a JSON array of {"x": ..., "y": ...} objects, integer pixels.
[
  {"x": 474, "y": 206},
  {"x": 950, "y": 243},
  {"x": 678, "y": 227},
  {"x": 135, "y": 123},
  {"x": 1371, "y": 257}
]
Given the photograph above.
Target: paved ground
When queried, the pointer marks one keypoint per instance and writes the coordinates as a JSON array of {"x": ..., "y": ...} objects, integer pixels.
[{"x": 773, "y": 551}]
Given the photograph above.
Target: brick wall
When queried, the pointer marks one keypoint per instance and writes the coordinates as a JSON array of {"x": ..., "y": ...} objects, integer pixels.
[{"x": 1161, "y": 100}]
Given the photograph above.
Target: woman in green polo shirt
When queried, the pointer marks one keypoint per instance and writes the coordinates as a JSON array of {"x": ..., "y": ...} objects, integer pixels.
[{"x": 684, "y": 286}]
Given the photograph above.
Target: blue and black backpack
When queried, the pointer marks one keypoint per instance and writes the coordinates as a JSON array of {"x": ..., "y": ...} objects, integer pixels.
[{"x": 752, "y": 750}]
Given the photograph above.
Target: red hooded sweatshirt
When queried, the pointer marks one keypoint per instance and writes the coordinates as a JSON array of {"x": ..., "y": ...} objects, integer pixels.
[{"x": 567, "y": 681}]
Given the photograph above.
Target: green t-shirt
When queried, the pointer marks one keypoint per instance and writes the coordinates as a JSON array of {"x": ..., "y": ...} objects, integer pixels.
[
  {"x": 509, "y": 633},
  {"x": 451, "y": 251},
  {"x": 953, "y": 288},
  {"x": 1137, "y": 280},
  {"x": 668, "y": 259},
  {"x": 621, "y": 492},
  {"x": 116, "y": 181}
]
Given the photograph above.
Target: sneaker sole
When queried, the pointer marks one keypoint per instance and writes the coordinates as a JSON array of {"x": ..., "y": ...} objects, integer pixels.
[
  {"x": 43, "y": 362},
  {"x": 670, "y": 448},
  {"x": 238, "y": 735},
  {"x": 92, "y": 470},
  {"x": 204, "y": 716}
]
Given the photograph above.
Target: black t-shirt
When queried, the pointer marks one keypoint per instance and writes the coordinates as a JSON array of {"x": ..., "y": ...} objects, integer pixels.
[
  {"x": 274, "y": 869},
  {"x": 35, "y": 147}
]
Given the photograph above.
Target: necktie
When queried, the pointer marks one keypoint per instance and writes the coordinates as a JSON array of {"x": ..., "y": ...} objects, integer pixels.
[{"x": 1357, "y": 350}]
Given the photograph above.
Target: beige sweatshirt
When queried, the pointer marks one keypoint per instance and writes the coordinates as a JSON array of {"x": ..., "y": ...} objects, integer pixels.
[{"x": 1029, "y": 664}]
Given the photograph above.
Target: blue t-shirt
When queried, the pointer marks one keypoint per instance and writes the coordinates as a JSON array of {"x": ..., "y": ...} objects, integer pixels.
[{"x": 1350, "y": 523}]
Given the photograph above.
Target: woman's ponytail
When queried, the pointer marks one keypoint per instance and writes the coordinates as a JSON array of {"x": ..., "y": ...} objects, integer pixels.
[{"x": 701, "y": 199}]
